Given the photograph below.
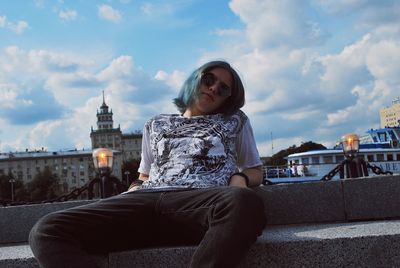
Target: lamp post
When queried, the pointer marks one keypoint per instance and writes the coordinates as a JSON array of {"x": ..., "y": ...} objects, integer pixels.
[
  {"x": 12, "y": 180},
  {"x": 103, "y": 162},
  {"x": 355, "y": 166},
  {"x": 127, "y": 173}
]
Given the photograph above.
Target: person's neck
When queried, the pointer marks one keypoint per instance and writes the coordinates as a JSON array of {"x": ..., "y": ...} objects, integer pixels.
[{"x": 191, "y": 113}]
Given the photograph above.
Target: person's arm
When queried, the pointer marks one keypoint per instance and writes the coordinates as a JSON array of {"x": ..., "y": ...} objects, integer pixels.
[
  {"x": 249, "y": 161},
  {"x": 136, "y": 183},
  {"x": 146, "y": 159},
  {"x": 143, "y": 177},
  {"x": 255, "y": 176}
]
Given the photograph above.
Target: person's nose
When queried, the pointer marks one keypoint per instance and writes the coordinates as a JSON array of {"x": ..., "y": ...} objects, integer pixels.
[{"x": 214, "y": 88}]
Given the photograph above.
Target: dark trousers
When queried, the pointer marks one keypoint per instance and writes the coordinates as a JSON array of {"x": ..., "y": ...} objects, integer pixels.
[{"x": 223, "y": 221}]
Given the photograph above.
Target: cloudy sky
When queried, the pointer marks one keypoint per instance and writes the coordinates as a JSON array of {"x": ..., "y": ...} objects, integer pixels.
[{"x": 313, "y": 70}]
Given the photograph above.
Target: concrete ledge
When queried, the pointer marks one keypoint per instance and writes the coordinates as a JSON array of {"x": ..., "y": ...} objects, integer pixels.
[
  {"x": 357, "y": 244},
  {"x": 312, "y": 202},
  {"x": 309, "y": 202},
  {"x": 19, "y": 220},
  {"x": 372, "y": 198}
]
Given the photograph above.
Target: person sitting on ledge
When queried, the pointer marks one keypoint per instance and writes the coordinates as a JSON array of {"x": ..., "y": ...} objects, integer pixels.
[{"x": 194, "y": 188}]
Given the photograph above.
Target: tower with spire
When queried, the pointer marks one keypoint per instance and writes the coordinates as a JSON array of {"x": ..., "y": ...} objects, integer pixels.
[{"x": 106, "y": 136}]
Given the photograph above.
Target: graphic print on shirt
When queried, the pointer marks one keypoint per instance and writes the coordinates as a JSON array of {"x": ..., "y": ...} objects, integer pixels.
[{"x": 193, "y": 152}]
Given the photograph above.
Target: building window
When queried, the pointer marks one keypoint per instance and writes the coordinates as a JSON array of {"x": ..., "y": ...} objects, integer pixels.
[
  {"x": 339, "y": 158},
  {"x": 398, "y": 157},
  {"x": 389, "y": 157},
  {"x": 305, "y": 161},
  {"x": 370, "y": 158},
  {"x": 315, "y": 160},
  {"x": 328, "y": 159},
  {"x": 380, "y": 157}
]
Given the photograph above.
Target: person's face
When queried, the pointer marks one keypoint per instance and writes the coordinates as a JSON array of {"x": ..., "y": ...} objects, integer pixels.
[{"x": 215, "y": 88}]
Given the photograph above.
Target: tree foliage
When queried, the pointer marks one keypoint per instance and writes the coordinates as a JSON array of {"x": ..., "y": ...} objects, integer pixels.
[
  {"x": 278, "y": 159},
  {"x": 45, "y": 185},
  {"x": 20, "y": 192},
  {"x": 132, "y": 167}
]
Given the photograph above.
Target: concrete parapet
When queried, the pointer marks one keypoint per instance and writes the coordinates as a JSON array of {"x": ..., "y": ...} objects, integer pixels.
[
  {"x": 372, "y": 198},
  {"x": 309, "y": 202},
  {"x": 309, "y": 225},
  {"x": 356, "y": 244},
  {"x": 17, "y": 221},
  {"x": 312, "y": 202}
]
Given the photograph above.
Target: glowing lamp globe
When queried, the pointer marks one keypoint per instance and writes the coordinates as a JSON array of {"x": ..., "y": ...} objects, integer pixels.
[
  {"x": 102, "y": 159},
  {"x": 350, "y": 144}
]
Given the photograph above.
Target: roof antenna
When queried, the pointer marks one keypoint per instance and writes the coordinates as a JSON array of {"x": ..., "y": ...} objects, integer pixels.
[
  {"x": 104, "y": 102},
  {"x": 272, "y": 144}
]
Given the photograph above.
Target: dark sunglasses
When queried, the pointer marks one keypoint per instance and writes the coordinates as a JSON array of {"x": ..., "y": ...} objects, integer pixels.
[{"x": 209, "y": 79}]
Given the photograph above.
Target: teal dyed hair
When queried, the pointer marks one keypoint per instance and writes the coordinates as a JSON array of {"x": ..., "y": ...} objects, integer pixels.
[{"x": 190, "y": 88}]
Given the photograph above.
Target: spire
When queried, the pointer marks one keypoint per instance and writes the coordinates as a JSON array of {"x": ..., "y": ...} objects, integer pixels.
[{"x": 104, "y": 107}]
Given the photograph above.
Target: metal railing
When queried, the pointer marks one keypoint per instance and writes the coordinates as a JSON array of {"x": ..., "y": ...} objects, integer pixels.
[{"x": 116, "y": 187}]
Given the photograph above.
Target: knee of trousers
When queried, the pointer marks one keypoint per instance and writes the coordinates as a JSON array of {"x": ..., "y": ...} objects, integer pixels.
[
  {"x": 44, "y": 227},
  {"x": 246, "y": 203}
]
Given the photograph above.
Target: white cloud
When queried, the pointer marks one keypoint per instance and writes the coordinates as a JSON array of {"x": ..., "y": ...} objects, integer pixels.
[
  {"x": 227, "y": 32},
  {"x": 68, "y": 15},
  {"x": 383, "y": 60},
  {"x": 297, "y": 92},
  {"x": 8, "y": 95},
  {"x": 174, "y": 80},
  {"x": 18, "y": 27},
  {"x": 3, "y": 20},
  {"x": 277, "y": 23},
  {"x": 72, "y": 81},
  {"x": 120, "y": 67},
  {"x": 39, "y": 3},
  {"x": 108, "y": 13}
]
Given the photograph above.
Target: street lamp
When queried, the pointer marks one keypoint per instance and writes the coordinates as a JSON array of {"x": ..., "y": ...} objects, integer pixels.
[
  {"x": 350, "y": 144},
  {"x": 352, "y": 166},
  {"x": 12, "y": 180},
  {"x": 103, "y": 162},
  {"x": 127, "y": 173}
]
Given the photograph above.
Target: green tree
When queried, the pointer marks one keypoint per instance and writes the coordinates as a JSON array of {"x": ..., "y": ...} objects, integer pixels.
[
  {"x": 45, "y": 185},
  {"x": 278, "y": 159},
  {"x": 132, "y": 167},
  {"x": 20, "y": 193}
]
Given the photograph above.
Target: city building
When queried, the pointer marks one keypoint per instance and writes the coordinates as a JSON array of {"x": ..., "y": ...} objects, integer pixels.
[
  {"x": 74, "y": 168},
  {"x": 390, "y": 116},
  {"x": 106, "y": 136}
]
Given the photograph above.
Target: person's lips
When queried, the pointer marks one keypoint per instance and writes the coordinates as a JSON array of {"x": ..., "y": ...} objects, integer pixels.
[{"x": 209, "y": 96}]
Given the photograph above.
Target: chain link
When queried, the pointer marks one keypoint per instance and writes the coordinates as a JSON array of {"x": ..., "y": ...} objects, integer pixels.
[
  {"x": 377, "y": 170},
  {"x": 333, "y": 172}
]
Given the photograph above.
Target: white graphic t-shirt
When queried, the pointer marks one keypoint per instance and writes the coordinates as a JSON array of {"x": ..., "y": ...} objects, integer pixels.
[{"x": 196, "y": 152}]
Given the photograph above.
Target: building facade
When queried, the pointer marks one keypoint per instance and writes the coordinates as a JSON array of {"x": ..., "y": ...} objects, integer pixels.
[
  {"x": 106, "y": 136},
  {"x": 74, "y": 168},
  {"x": 390, "y": 116}
]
